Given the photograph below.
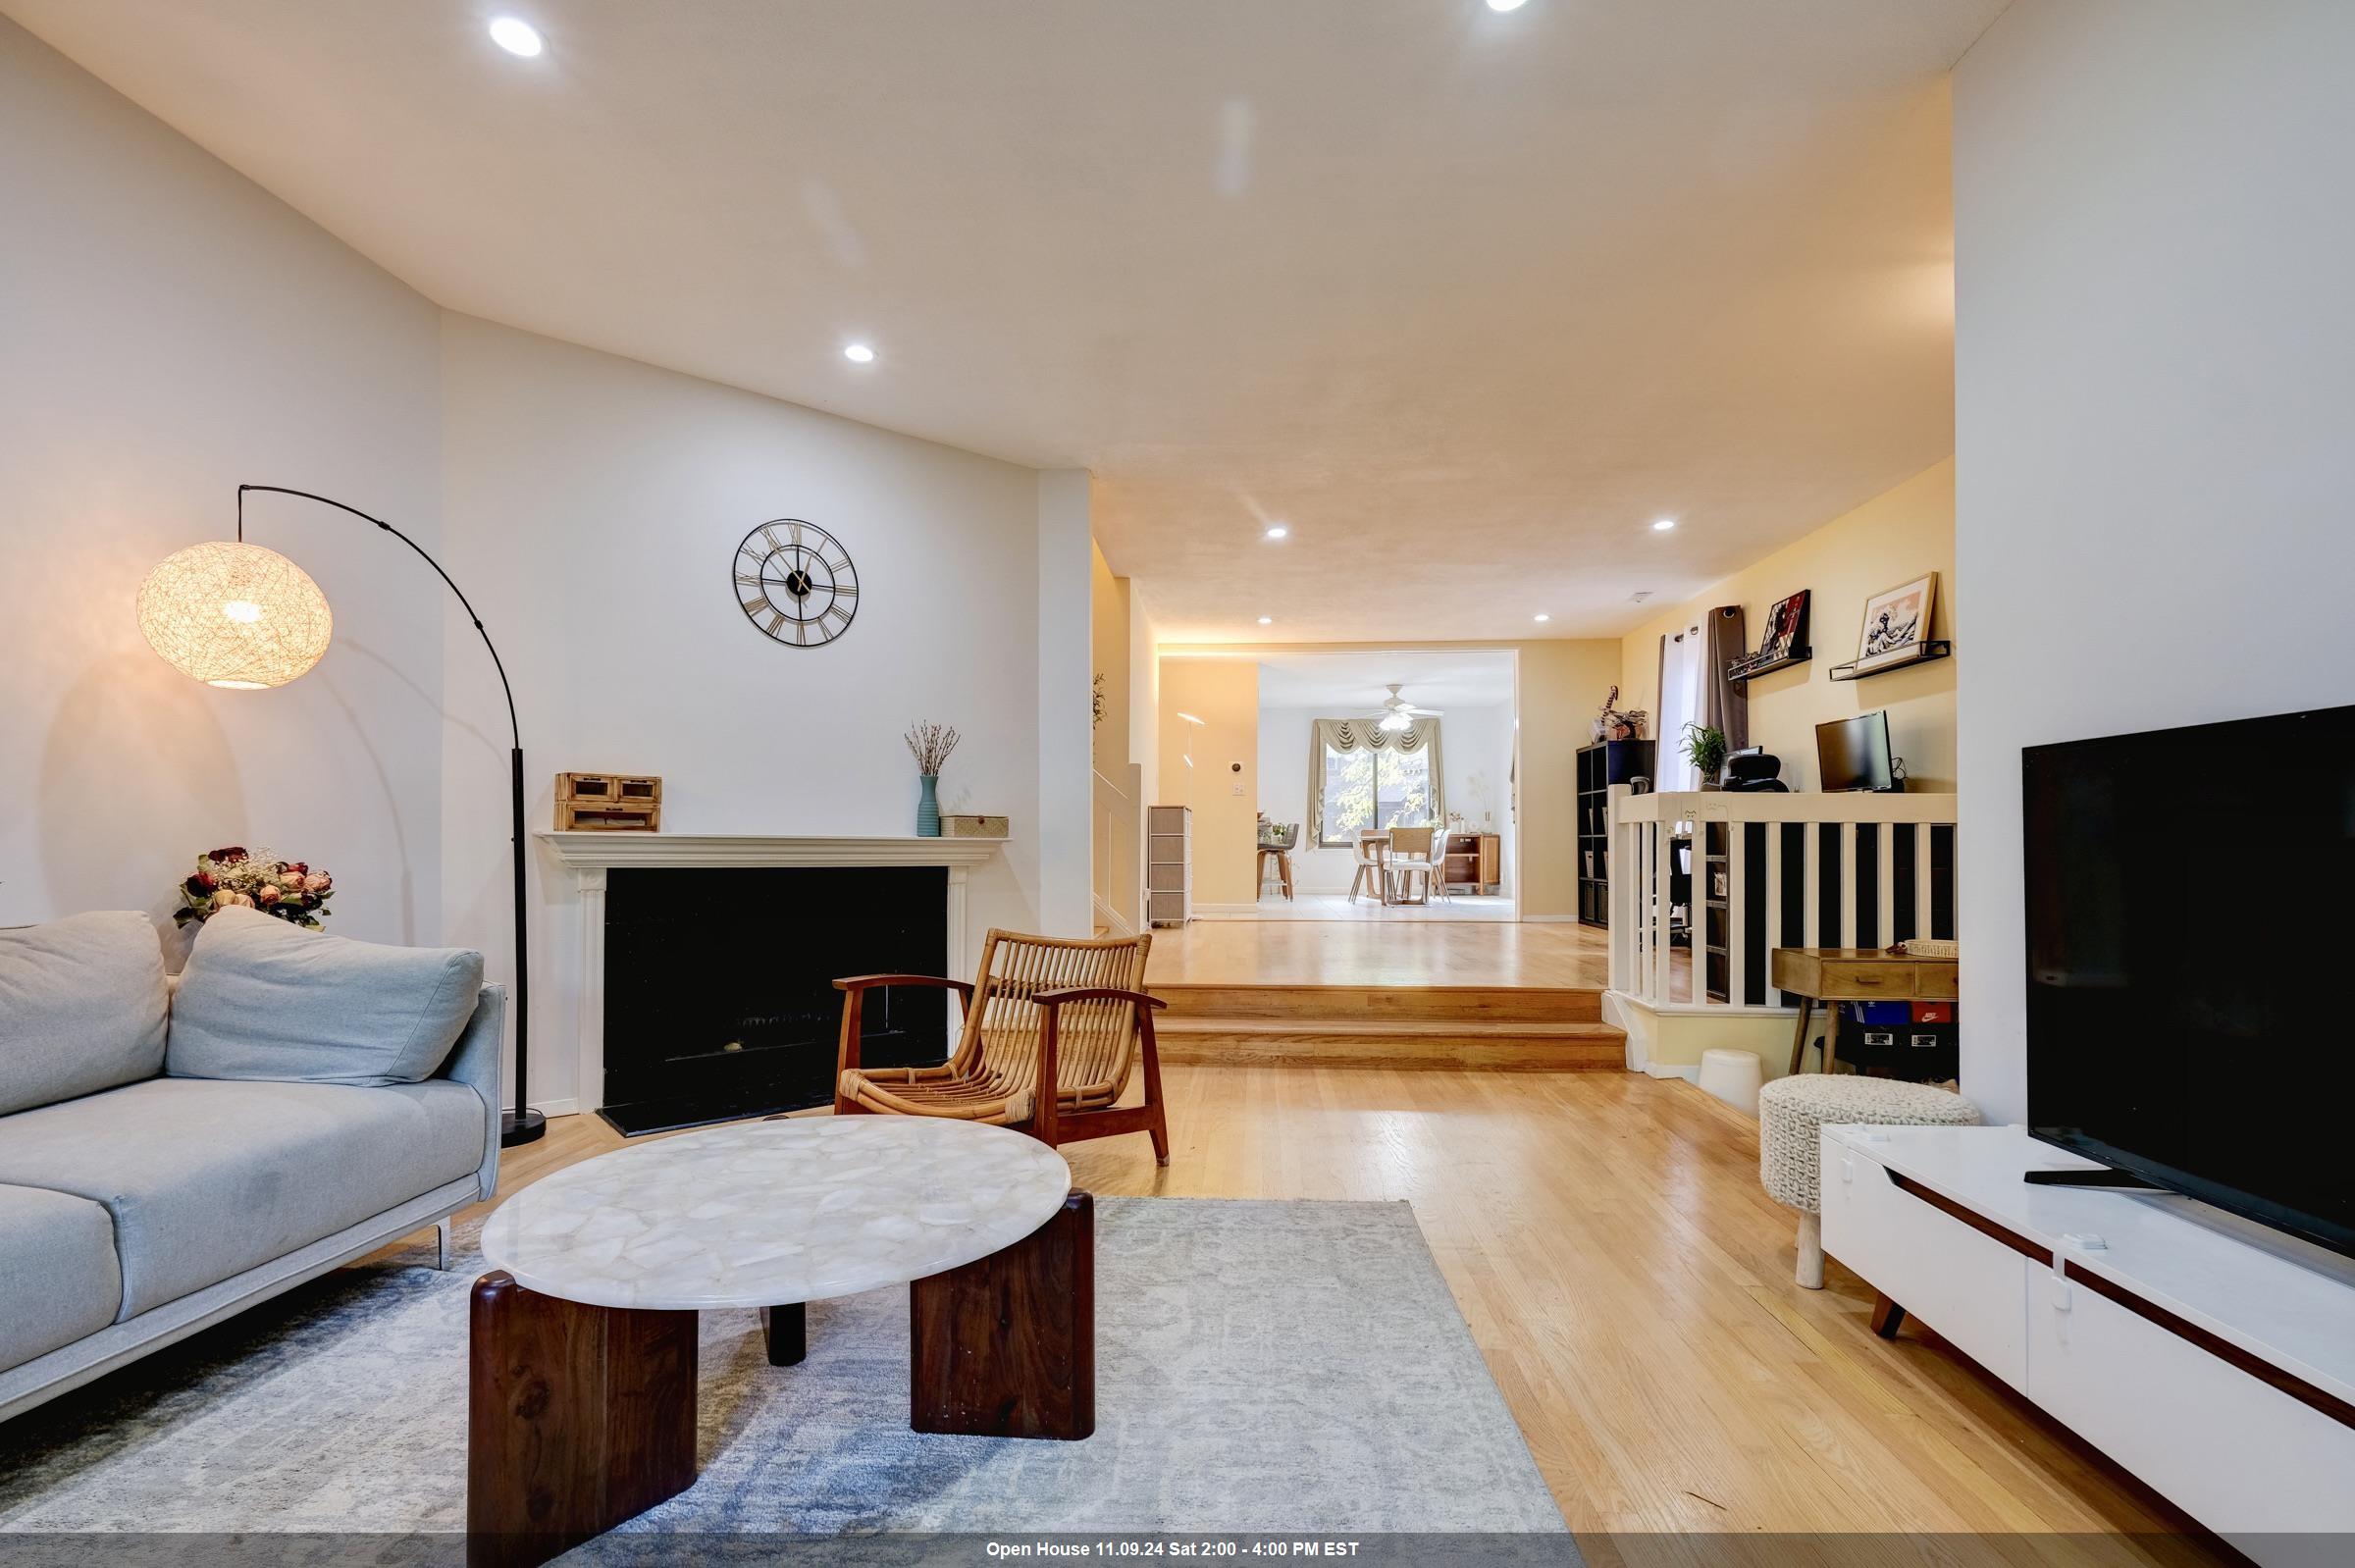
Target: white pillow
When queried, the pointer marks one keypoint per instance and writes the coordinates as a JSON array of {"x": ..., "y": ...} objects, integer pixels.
[
  {"x": 261, "y": 998},
  {"x": 81, "y": 1007}
]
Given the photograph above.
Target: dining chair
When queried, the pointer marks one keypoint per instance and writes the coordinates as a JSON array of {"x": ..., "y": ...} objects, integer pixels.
[
  {"x": 1438, "y": 864},
  {"x": 1371, "y": 849},
  {"x": 1410, "y": 864}
]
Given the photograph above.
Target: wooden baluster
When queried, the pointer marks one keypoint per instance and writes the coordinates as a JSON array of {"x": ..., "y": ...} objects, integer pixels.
[
  {"x": 1848, "y": 884},
  {"x": 1663, "y": 844},
  {"x": 1921, "y": 879},
  {"x": 1884, "y": 903},
  {"x": 1812, "y": 912},
  {"x": 1737, "y": 935}
]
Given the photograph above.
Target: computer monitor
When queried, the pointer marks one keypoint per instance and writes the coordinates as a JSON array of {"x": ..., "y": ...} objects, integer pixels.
[{"x": 1853, "y": 754}]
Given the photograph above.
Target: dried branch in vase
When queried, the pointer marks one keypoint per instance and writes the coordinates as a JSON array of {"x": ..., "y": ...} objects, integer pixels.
[{"x": 931, "y": 744}]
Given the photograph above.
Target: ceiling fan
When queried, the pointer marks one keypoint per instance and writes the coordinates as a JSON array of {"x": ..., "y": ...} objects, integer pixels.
[{"x": 1398, "y": 713}]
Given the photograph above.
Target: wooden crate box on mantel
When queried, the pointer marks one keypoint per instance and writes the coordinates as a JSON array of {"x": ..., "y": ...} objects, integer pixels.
[{"x": 627, "y": 802}]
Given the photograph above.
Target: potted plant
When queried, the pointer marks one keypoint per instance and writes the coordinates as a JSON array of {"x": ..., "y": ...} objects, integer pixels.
[{"x": 1704, "y": 748}]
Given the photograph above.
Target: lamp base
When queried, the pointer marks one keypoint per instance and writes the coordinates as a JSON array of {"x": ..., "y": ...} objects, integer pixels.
[{"x": 520, "y": 1126}]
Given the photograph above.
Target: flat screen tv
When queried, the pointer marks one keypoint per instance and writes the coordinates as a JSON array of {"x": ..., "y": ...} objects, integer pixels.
[
  {"x": 2190, "y": 929},
  {"x": 1853, "y": 754}
]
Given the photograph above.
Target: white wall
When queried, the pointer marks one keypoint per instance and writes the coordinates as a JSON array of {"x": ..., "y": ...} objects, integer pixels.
[
  {"x": 167, "y": 330},
  {"x": 599, "y": 503},
  {"x": 1476, "y": 754},
  {"x": 2155, "y": 377}
]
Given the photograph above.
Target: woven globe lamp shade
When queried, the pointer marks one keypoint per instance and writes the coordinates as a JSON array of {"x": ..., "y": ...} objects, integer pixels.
[{"x": 234, "y": 614}]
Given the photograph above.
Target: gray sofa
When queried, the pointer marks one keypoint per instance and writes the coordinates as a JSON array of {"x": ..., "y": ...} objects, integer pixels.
[{"x": 168, "y": 1157}]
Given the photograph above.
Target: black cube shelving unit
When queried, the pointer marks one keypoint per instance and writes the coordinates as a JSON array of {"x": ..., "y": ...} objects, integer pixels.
[{"x": 1600, "y": 767}]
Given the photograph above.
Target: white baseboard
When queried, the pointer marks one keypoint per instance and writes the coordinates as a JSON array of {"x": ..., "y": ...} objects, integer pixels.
[
  {"x": 1110, "y": 918},
  {"x": 566, "y": 1107}
]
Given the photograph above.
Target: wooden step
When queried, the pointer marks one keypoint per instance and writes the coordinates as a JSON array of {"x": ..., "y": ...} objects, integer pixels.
[
  {"x": 1463, "y": 1004},
  {"x": 1339, "y": 1040}
]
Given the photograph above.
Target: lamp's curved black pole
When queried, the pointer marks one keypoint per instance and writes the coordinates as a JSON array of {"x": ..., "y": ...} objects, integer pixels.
[{"x": 523, "y": 1124}]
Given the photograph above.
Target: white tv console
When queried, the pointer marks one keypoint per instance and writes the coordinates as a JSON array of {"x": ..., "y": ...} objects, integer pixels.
[{"x": 2212, "y": 1357}]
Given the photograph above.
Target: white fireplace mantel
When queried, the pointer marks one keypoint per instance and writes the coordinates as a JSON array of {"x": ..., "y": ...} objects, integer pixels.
[
  {"x": 597, "y": 851},
  {"x": 591, "y": 854}
]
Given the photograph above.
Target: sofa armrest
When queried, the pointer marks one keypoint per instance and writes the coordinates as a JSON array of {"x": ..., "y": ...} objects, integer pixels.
[{"x": 475, "y": 1062}]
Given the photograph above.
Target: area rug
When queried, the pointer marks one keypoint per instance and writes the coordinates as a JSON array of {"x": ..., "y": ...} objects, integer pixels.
[{"x": 1284, "y": 1367}]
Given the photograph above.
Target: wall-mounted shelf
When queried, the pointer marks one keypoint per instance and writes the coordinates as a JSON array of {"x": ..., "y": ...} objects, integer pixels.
[
  {"x": 1923, "y": 652},
  {"x": 1796, "y": 656}
]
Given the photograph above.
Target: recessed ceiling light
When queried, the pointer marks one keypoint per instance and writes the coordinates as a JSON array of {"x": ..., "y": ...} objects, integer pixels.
[
  {"x": 1505, "y": 5},
  {"x": 515, "y": 35},
  {"x": 1663, "y": 525},
  {"x": 858, "y": 353},
  {"x": 1267, "y": 620},
  {"x": 1279, "y": 531},
  {"x": 1542, "y": 616}
]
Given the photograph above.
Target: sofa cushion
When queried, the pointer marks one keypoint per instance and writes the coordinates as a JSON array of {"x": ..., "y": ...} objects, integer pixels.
[
  {"x": 263, "y": 999},
  {"x": 205, "y": 1178},
  {"x": 62, "y": 1281},
  {"x": 81, "y": 1007}
]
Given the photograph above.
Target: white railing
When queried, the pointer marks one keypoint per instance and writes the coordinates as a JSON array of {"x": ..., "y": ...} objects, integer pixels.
[{"x": 1703, "y": 886}]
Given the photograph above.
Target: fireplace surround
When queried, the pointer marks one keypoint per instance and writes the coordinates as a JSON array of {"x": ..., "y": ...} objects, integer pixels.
[{"x": 712, "y": 996}]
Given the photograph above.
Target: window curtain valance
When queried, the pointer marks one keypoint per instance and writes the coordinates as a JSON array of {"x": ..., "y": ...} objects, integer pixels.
[{"x": 1347, "y": 735}]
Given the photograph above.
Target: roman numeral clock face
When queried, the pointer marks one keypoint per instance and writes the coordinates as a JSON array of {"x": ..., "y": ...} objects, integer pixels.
[{"x": 796, "y": 583}]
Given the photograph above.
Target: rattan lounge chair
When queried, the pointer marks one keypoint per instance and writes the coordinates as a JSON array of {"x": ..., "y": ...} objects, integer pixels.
[{"x": 1043, "y": 1010}]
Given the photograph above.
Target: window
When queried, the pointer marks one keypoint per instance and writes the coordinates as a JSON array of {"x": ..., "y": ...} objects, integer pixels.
[
  {"x": 1366, "y": 787},
  {"x": 1680, "y": 705}
]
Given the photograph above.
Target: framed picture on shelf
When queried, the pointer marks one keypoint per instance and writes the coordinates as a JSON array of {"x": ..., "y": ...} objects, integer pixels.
[
  {"x": 1897, "y": 622},
  {"x": 1785, "y": 628}
]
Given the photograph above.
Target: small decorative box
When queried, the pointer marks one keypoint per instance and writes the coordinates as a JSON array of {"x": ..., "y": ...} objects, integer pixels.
[
  {"x": 974, "y": 826},
  {"x": 609, "y": 802}
]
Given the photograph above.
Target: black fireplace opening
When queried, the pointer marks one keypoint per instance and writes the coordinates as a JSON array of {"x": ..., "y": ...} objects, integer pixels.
[{"x": 719, "y": 985}]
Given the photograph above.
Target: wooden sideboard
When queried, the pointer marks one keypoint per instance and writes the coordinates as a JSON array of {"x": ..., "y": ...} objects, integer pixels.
[{"x": 1475, "y": 861}]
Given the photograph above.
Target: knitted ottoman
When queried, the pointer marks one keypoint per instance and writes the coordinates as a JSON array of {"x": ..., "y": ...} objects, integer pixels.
[{"x": 1790, "y": 1162}]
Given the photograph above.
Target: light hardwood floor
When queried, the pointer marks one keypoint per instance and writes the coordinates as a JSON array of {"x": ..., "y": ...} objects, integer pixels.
[
  {"x": 1374, "y": 952},
  {"x": 1630, "y": 1289}
]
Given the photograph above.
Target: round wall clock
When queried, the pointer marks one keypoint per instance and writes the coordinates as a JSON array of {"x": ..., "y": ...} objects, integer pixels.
[{"x": 796, "y": 582}]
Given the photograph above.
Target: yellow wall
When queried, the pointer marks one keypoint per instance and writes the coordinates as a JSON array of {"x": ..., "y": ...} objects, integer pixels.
[
  {"x": 1224, "y": 694},
  {"x": 1891, "y": 539},
  {"x": 1562, "y": 682},
  {"x": 1117, "y": 853},
  {"x": 1109, "y": 630},
  {"x": 1562, "y": 685}
]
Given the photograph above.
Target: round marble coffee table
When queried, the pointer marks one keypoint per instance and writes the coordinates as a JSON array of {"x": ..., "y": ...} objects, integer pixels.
[{"x": 582, "y": 1398}]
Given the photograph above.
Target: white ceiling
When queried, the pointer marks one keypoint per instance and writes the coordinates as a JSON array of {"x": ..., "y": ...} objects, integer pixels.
[
  {"x": 1466, "y": 298},
  {"x": 1339, "y": 685}
]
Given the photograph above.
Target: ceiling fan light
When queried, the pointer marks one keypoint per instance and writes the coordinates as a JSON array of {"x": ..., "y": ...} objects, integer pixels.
[{"x": 234, "y": 616}]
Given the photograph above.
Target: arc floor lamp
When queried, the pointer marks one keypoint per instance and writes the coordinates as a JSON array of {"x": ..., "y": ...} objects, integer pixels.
[{"x": 245, "y": 618}]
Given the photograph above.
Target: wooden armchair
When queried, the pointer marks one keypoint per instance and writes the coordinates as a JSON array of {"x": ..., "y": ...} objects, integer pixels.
[{"x": 1043, "y": 1010}]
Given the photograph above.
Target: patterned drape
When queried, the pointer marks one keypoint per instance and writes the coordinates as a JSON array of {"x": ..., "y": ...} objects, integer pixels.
[{"x": 1346, "y": 735}]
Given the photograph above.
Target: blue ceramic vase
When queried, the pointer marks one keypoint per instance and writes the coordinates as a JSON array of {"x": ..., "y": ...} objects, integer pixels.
[{"x": 928, "y": 805}]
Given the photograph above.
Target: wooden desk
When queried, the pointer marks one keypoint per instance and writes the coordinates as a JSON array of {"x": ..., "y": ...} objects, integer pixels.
[{"x": 1855, "y": 974}]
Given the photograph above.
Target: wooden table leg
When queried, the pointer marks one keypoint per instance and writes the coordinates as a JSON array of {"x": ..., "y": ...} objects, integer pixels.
[
  {"x": 786, "y": 1329},
  {"x": 578, "y": 1418},
  {"x": 1887, "y": 1316},
  {"x": 1006, "y": 1346},
  {"x": 1798, "y": 1041}
]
